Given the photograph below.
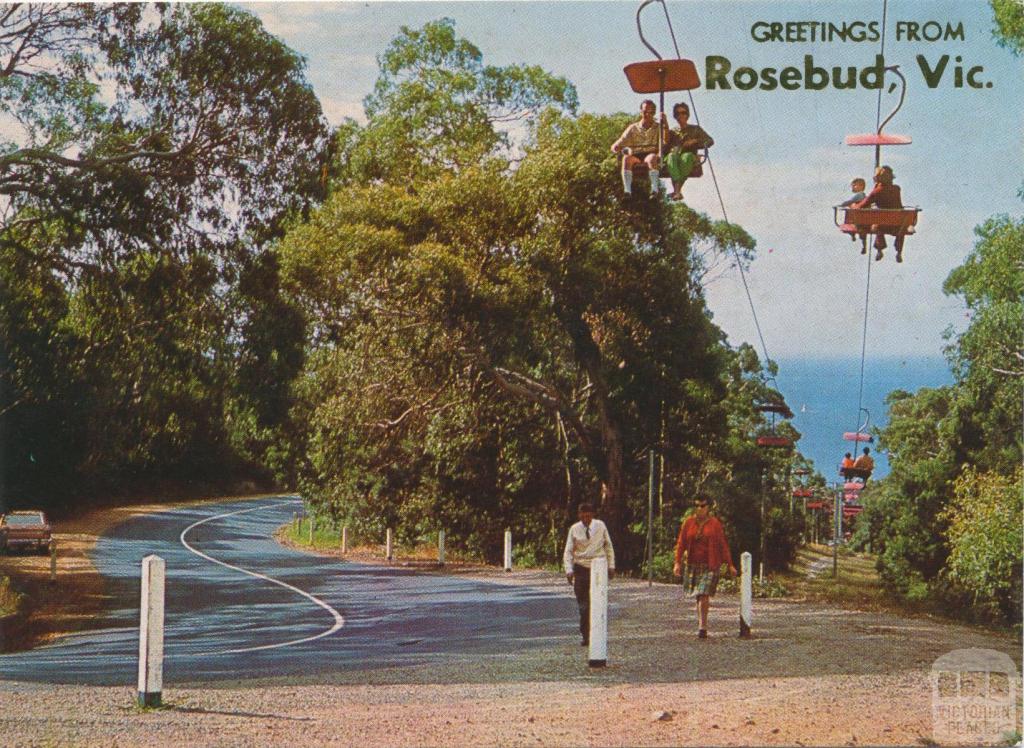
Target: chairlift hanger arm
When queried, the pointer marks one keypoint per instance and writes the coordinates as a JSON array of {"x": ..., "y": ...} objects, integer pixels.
[
  {"x": 639, "y": 26},
  {"x": 903, "y": 93}
]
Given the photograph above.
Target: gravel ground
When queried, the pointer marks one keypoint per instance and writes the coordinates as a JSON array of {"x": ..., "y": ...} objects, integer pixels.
[{"x": 812, "y": 675}]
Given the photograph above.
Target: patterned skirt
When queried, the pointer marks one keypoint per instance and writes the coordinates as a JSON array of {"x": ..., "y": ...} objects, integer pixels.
[{"x": 700, "y": 580}]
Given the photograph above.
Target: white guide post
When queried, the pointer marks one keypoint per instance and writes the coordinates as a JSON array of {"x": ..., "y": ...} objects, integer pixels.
[
  {"x": 746, "y": 595},
  {"x": 508, "y": 550},
  {"x": 440, "y": 547},
  {"x": 344, "y": 539},
  {"x": 311, "y": 523},
  {"x": 387, "y": 551},
  {"x": 598, "y": 654},
  {"x": 151, "y": 632}
]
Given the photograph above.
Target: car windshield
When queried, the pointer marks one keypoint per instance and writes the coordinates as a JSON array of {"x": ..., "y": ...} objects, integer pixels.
[{"x": 24, "y": 519}]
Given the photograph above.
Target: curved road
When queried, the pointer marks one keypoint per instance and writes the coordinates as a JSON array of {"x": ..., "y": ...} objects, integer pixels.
[{"x": 240, "y": 605}]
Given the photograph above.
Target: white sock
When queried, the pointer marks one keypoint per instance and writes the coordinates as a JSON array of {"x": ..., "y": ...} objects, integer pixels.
[
  {"x": 655, "y": 180},
  {"x": 627, "y": 181}
]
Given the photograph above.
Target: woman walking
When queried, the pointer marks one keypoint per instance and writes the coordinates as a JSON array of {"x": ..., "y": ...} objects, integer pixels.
[{"x": 701, "y": 546}]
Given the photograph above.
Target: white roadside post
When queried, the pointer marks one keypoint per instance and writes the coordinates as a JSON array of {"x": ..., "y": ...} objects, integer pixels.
[
  {"x": 508, "y": 550},
  {"x": 440, "y": 547},
  {"x": 311, "y": 523},
  {"x": 598, "y": 654},
  {"x": 151, "y": 632},
  {"x": 387, "y": 551},
  {"x": 746, "y": 595},
  {"x": 344, "y": 539}
]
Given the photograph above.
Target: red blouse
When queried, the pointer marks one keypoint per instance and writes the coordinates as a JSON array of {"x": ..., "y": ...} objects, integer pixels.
[{"x": 707, "y": 541}]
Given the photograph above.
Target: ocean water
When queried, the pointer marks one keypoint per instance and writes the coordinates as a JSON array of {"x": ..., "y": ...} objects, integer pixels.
[{"x": 823, "y": 393}]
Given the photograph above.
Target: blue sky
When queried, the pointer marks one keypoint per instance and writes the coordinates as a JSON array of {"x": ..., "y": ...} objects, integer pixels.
[{"x": 779, "y": 155}]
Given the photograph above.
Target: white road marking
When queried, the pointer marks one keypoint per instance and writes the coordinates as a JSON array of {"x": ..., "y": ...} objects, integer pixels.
[{"x": 338, "y": 620}]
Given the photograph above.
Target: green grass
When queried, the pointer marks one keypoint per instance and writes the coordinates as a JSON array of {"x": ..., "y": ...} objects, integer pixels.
[
  {"x": 857, "y": 582},
  {"x": 326, "y": 537}
]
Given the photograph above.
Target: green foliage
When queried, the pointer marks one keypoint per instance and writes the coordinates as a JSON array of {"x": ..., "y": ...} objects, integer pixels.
[
  {"x": 436, "y": 108},
  {"x": 10, "y": 599},
  {"x": 985, "y": 539},
  {"x": 1009, "y": 18},
  {"x": 767, "y": 588},
  {"x": 783, "y": 535},
  {"x": 952, "y": 448},
  {"x": 151, "y": 157},
  {"x": 492, "y": 346}
]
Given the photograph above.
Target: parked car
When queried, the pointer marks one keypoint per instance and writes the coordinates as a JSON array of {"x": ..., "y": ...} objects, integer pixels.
[{"x": 25, "y": 530}]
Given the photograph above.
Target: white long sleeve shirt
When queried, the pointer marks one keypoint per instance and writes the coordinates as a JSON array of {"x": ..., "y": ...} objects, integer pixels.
[{"x": 585, "y": 544}]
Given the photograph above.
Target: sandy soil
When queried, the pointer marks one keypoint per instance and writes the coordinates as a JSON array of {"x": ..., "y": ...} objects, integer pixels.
[{"x": 812, "y": 675}]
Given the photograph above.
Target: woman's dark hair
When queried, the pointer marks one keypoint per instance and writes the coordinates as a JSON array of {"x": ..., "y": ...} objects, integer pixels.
[{"x": 677, "y": 107}]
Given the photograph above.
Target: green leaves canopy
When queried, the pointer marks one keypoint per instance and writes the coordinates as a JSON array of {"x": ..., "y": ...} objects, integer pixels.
[
  {"x": 494, "y": 344},
  {"x": 955, "y": 450},
  {"x": 157, "y": 149}
]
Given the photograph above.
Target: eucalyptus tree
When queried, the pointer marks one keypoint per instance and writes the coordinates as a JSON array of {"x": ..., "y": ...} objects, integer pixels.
[
  {"x": 149, "y": 151},
  {"x": 956, "y": 451},
  {"x": 467, "y": 309}
]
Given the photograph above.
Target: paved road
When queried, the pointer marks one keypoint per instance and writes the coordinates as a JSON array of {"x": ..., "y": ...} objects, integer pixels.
[{"x": 240, "y": 605}]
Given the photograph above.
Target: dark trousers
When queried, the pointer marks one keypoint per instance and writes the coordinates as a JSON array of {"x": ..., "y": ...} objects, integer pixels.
[{"x": 581, "y": 586}]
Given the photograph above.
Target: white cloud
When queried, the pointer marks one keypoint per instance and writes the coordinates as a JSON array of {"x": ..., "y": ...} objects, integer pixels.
[
  {"x": 290, "y": 19},
  {"x": 338, "y": 109}
]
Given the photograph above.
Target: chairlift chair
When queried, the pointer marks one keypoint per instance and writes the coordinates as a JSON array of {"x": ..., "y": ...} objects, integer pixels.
[
  {"x": 659, "y": 76},
  {"x": 892, "y": 221},
  {"x": 773, "y": 439}
]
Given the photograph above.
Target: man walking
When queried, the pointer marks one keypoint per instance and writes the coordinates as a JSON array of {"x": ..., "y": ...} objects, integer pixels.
[{"x": 588, "y": 539}]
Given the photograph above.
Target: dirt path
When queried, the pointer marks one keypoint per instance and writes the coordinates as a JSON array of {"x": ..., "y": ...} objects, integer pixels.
[{"x": 813, "y": 674}]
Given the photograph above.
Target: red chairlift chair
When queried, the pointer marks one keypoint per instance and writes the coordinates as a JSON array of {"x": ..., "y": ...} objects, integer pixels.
[
  {"x": 892, "y": 221},
  {"x": 858, "y": 436},
  {"x": 772, "y": 439}
]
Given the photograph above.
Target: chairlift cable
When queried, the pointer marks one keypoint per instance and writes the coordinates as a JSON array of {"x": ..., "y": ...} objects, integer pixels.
[
  {"x": 725, "y": 215},
  {"x": 867, "y": 284},
  {"x": 878, "y": 112},
  {"x": 668, "y": 20},
  {"x": 639, "y": 75}
]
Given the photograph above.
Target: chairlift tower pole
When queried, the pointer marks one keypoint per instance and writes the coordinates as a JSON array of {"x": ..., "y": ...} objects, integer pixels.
[
  {"x": 650, "y": 517},
  {"x": 760, "y": 560},
  {"x": 837, "y": 533}
]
